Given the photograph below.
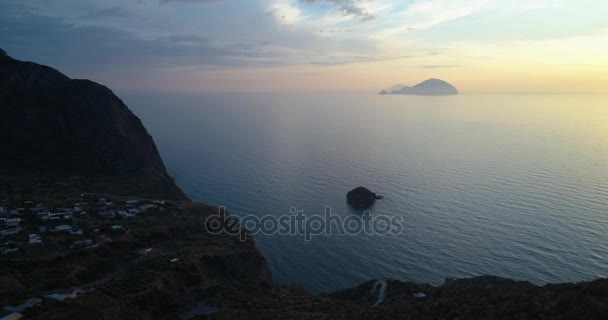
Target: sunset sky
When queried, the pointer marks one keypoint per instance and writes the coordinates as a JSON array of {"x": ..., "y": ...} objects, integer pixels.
[{"x": 545, "y": 46}]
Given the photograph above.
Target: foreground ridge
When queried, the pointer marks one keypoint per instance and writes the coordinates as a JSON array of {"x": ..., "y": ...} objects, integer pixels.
[{"x": 54, "y": 127}]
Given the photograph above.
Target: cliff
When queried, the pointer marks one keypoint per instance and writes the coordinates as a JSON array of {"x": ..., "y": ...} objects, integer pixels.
[
  {"x": 53, "y": 125},
  {"x": 61, "y": 137}
]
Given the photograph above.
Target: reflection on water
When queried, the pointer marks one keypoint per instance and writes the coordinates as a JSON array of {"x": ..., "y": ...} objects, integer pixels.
[{"x": 514, "y": 186}]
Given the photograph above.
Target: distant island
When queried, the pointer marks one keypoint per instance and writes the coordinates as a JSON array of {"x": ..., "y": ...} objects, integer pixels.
[{"x": 430, "y": 87}]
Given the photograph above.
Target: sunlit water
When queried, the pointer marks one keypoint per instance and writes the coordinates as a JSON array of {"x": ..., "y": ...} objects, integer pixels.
[{"x": 514, "y": 186}]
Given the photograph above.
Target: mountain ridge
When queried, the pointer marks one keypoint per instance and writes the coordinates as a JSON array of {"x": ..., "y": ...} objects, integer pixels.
[{"x": 54, "y": 125}]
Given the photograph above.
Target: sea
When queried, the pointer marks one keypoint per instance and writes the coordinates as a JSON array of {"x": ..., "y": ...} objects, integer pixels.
[{"x": 507, "y": 185}]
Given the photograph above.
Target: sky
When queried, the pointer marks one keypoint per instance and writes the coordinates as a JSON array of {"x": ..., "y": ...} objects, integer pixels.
[{"x": 189, "y": 46}]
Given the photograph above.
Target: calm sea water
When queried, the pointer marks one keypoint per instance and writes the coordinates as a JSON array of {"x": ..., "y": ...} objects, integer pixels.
[{"x": 514, "y": 186}]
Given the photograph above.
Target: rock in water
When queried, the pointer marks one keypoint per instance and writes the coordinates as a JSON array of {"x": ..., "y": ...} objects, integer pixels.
[{"x": 361, "y": 197}]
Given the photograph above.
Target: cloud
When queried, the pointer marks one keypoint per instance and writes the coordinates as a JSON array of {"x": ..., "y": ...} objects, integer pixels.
[
  {"x": 346, "y": 7},
  {"x": 190, "y": 1},
  {"x": 80, "y": 48},
  {"x": 145, "y": 36},
  {"x": 439, "y": 66},
  {"x": 429, "y": 13},
  {"x": 83, "y": 46},
  {"x": 115, "y": 12}
]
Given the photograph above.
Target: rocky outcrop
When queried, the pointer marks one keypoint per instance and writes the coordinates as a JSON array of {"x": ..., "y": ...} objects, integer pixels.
[
  {"x": 481, "y": 282},
  {"x": 52, "y": 124},
  {"x": 361, "y": 197}
]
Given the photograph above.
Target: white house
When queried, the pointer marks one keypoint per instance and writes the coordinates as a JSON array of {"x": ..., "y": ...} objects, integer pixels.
[
  {"x": 5, "y": 250},
  {"x": 118, "y": 228},
  {"x": 72, "y": 294},
  {"x": 32, "y": 302},
  {"x": 107, "y": 214},
  {"x": 62, "y": 228},
  {"x": 82, "y": 243},
  {"x": 13, "y": 222},
  {"x": 43, "y": 215},
  {"x": 60, "y": 215},
  {"x": 10, "y": 232},
  {"x": 148, "y": 207},
  {"x": 34, "y": 242},
  {"x": 12, "y": 316},
  {"x": 126, "y": 215}
]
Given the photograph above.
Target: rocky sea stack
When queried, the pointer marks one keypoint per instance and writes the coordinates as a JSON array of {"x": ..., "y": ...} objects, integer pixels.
[{"x": 361, "y": 197}]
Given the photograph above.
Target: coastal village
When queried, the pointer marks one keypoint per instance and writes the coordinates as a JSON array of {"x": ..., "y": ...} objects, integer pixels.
[{"x": 39, "y": 229}]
